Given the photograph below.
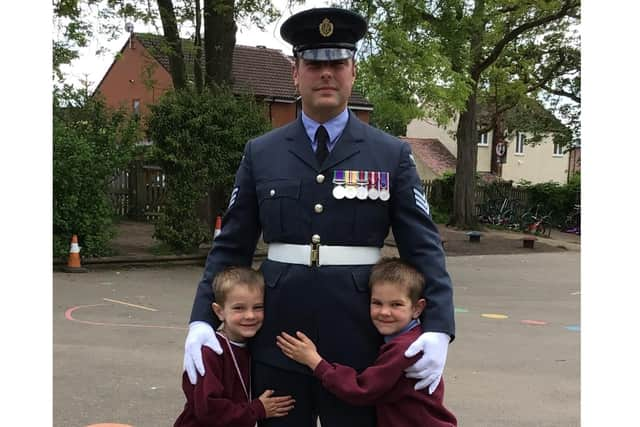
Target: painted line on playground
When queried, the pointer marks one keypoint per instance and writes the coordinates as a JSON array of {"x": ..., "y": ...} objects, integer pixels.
[
  {"x": 494, "y": 316},
  {"x": 574, "y": 328},
  {"x": 534, "y": 322},
  {"x": 461, "y": 310},
  {"x": 129, "y": 304},
  {"x": 69, "y": 316}
]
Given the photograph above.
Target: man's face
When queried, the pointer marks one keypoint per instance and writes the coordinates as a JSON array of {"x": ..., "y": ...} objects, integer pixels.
[{"x": 325, "y": 86}]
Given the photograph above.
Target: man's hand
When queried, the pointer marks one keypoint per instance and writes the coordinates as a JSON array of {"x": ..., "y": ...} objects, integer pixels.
[
  {"x": 429, "y": 368},
  {"x": 200, "y": 333},
  {"x": 300, "y": 349},
  {"x": 276, "y": 406}
]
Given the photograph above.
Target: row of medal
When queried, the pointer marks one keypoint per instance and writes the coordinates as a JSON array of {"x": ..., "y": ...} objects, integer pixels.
[{"x": 361, "y": 185}]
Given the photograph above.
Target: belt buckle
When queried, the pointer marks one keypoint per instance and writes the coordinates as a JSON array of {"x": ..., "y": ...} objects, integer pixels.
[{"x": 315, "y": 254}]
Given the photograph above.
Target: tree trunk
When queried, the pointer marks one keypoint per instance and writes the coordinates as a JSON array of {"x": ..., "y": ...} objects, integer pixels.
[
  {"x": 497, "y": 138},
  {"x": 463, "y": 215},
  {"x": 219, "y": 40},
  {"x": 170, "y": 29},
  {"x": 197, "y": 43}
]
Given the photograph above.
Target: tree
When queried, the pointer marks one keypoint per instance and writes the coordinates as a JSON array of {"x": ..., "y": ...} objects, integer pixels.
[
  {"x": 464, "y": 39},
  {"x": 171, "y": 35},
  {"x": 90, "y": 141},
  {"x": 198, "y": 140}
]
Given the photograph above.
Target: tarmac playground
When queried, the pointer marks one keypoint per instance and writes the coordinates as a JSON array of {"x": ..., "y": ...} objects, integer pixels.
[{"x": 118, "y": 336}]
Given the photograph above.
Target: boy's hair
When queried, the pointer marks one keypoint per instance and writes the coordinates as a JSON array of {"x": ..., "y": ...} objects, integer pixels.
[
  {"x": 233, "y": 276},
  {"x": 397, "y": 271}
]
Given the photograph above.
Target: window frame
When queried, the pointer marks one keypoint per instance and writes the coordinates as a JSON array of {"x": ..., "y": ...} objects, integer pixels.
[
  {"x": 557, "y": 150},
  {"x": 520, "y": 140},
  {"x": 135, "y": 106},
  {"x": 485, "y": 136}
]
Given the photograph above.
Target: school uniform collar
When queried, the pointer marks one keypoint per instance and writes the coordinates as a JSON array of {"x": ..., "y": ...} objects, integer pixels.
[{"x": 411, "y": 325}]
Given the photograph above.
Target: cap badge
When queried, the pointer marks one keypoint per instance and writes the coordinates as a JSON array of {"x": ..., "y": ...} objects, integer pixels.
[{"x": 326, "y": 27}]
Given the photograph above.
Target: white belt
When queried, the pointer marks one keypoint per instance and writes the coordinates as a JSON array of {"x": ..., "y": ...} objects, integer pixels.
[{"x": 314, "y": 254}]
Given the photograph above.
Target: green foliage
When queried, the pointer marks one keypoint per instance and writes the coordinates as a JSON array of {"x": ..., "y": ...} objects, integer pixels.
[
  {"x": 441, "y": 197},
  {"x": 89, "y": 143},
  {"x": 198, "y": 140},
  {"x": 555, "y": 198}
]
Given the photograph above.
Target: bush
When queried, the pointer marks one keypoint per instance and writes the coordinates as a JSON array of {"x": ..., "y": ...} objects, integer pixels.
[
  {"x": 198, "y": 140},
  {"x": 555, "y": 198},
  {"x": 89, "y": 143}
]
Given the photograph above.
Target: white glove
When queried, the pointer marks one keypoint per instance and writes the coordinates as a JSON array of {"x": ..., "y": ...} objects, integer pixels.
[
  {"x": 429, "y": 368},
  {"x": 200, "y": 333}
]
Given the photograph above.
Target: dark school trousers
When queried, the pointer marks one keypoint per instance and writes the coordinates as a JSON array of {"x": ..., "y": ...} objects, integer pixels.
[{"x": 312, "y": 401}]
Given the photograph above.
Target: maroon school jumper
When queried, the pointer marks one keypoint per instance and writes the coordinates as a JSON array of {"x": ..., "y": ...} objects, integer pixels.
[
  {"x": 384, "y": 385},
  {"x": 218, "y": 399}
]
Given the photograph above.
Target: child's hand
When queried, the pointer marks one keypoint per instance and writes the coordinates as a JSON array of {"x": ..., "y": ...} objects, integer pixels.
[
  {"x": 300, "y": 349},
  {"x": 276, "y": 406}
]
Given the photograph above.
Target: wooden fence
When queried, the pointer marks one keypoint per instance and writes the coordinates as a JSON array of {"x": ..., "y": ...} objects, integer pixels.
[
  {"x": 138, "y": 192},
  {"x": 439, "y": 194}
]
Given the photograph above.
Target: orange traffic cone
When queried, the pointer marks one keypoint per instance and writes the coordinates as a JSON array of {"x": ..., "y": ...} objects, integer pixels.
[
  {"x": 216, "y": 231},
  {"x": 73, "y": 262}
]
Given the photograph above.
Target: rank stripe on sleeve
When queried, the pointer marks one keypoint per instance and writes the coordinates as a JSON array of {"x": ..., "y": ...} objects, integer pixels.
[
  {"x": 421, "y": 200},
  {"x": 234, "y": 193}
]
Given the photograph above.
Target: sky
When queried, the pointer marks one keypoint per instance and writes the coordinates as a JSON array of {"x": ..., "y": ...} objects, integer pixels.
[{"x": 93, "y": 67}]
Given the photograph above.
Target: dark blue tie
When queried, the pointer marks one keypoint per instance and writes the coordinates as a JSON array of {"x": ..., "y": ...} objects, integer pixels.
[{"x": 322, "y": 137}]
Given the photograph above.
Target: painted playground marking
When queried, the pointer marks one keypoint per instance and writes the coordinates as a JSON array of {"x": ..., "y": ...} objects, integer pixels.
[
  {"x": 109, "y": 425},
  {"x": 461, "y": 310},
  {"x": 494, "y": 316},
  {"x": 129, "y": 304},
  {"x": 575, "y": 328},
  {"x": 534, "y": 322},
  {"x": 69, "y": 316}
]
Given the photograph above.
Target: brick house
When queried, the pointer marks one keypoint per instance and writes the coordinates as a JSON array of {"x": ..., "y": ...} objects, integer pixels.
[{"x": 140, "y": 75}]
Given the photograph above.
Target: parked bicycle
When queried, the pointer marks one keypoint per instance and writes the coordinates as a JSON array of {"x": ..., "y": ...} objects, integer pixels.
[
  {"x": 536, "y": 223},
  {"x": 572, "y": 221}
]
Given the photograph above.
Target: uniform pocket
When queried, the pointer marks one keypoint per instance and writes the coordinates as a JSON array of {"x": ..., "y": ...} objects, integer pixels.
[
  {"x": 360, "y": 277},
  {"x": 272, "y": 271},
  {"x": 372, "y": 222},
  {"x": 277, "y": 200}
]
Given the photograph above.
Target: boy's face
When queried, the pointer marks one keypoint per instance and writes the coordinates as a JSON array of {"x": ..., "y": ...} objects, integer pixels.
[
  {"x": 391, "y": 309},
  {"x": 242, "y": 313}
]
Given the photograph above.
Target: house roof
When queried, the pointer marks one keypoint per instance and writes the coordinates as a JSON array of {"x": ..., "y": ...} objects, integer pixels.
[
  {"x": 258, "y": 70},
  {"x": 432, "y": 153}
]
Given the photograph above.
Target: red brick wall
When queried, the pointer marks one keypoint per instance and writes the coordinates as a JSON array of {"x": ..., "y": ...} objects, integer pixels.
[
  {"x": 125, "y": 80},
  {"x": 362, "y": 115},
  {"x": 282, "y": 113}
]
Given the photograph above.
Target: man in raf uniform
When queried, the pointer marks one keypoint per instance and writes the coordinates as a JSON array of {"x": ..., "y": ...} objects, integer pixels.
[{"x": 324, "y": 191}]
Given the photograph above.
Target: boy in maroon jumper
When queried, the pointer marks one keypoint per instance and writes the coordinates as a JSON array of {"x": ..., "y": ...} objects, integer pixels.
[
  {"x": 222, "y": 397},
  {"x": 395, "y": 307}
]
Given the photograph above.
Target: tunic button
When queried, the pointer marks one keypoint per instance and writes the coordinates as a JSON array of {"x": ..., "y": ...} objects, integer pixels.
[
  {"x": 318, "y": 208},
  {"x": 272, "y": 192},
  {"x": 320, "y": 179},
  {"x": 315, "y": 238}
]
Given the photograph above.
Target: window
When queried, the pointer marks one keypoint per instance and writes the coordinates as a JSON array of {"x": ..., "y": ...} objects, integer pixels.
[
  {"x": 484, "y": 139},
  {"x": 557, "y": 150},
  {"x": 136, "y": 107},
  {"x": 520, "y": 139}
]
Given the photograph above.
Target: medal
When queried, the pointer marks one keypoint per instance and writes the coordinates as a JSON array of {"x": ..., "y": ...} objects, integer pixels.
[
  {"x": 373, "y": 185},
  {"x": 363, "y": 180},
  {"x": 384, "y": 186},
  {"x": 351, "y": 189},
  {"x": 338, "y": 180}
]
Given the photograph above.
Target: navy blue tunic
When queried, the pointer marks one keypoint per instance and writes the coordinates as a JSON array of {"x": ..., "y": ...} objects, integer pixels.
[{"x": 276, "y": 190}]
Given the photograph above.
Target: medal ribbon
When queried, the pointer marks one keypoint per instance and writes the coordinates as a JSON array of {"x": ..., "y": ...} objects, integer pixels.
[
  {"x": 384, "y": 181},
  {"x": 352, "y": 178},
  {"x": 373, "y": 179}
]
